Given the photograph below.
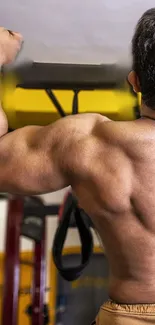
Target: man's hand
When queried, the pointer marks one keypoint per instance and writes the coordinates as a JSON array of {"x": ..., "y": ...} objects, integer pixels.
[{"x": 10, "y": 45}]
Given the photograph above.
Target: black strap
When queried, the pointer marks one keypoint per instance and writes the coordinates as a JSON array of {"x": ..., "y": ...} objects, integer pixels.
[{"x": 71, "y": 210}]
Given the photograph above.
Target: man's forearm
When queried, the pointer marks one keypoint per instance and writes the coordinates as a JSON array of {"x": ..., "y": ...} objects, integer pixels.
[
  {"x": 3, "y": 118},
  {"x": 3, "y": 122}
]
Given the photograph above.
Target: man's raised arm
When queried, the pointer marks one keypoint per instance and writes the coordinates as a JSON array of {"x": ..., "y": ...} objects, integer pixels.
[{"x": 35, "y": 160}]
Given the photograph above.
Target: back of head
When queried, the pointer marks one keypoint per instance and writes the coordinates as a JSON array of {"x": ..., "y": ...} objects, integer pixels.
[{"x": 143, "y": 51}]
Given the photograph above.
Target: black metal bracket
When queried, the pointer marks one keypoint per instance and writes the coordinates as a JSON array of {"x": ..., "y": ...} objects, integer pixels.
[
  {"x": 57, "y": 104},
  {"x": 55, "y": 101}
]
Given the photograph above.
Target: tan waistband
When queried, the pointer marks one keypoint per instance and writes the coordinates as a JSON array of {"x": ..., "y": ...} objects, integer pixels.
[{"x": 125, "y": 308}]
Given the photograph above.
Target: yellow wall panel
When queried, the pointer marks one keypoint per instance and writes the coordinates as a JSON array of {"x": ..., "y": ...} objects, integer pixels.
[{"x": 27, "y": 106}]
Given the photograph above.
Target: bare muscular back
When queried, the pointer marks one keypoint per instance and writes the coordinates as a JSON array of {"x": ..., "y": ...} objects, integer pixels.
[
  {"x": 120, "y": 198},
  {"x": 111, "y": 167}
]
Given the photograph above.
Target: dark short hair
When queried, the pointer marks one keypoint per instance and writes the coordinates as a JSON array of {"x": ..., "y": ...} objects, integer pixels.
[{"x": 143, "y": 52}]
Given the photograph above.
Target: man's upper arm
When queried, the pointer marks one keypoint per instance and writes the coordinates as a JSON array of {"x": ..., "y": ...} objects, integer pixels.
[
  {"x": 37, "y": 159},
  {"x": 27, "y": 164}
]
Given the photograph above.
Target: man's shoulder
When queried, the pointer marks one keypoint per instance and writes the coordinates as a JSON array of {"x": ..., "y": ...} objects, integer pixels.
[
  {"x": 116, "y": 132},
  {"x": 106, "y": 136}
]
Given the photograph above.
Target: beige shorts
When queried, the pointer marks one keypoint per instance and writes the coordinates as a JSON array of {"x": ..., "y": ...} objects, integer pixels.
[{"x": 120, "y": 314}]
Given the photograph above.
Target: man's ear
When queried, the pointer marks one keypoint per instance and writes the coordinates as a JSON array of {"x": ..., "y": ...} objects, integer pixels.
[{"x": 134, "y": 81}]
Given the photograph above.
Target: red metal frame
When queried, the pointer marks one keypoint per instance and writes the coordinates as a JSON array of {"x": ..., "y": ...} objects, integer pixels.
[
  {"x": 12, "y": 268},
  {"x": 11, "y": 264},
  {"x": 39, "y": 278}
]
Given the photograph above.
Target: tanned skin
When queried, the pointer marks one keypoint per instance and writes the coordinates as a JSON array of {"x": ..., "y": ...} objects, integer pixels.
[{"x": 111, "y": 168}]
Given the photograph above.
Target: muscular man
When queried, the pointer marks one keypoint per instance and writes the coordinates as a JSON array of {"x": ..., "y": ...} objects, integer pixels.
[{"x": 111, "y": 168}]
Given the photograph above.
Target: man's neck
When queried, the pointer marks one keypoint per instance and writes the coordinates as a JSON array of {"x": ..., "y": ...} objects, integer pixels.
[{"x": 147, "y": 112}]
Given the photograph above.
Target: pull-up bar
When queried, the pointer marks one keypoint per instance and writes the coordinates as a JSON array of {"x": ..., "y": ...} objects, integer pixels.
[{"x": 69, "y": 76}]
